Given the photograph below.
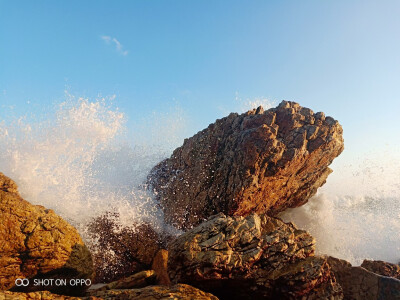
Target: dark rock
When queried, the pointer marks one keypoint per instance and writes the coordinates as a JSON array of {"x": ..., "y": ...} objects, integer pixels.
[
  {"x": 382, "y": 268},
  {"x": 157, "y": 292},
  {"x": 177, "y": 292},
  {"x": 360, "y": 284},
  {"x": 261, "y": 162}
]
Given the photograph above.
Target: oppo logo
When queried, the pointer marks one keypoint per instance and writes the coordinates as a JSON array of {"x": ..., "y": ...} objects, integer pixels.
[{"x": 21, "y": 282}]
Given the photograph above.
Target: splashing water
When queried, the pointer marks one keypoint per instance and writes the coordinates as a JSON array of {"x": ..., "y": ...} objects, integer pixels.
[
  {"x": 244, "y": 105},
  {"x": 356, "y": 216},
  {"x": 79, "y": 163}
]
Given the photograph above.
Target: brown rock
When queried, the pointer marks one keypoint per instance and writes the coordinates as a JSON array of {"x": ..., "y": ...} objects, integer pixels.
[
  {"x": 37, "y": 243},
  {"x": 122, "y": 251},
  {"x": 160, "y": 266},
  {"x": 360, "y": 284},
  {"x": 178, "y": 292},
  {"x": 41, "y": 295},
  {"x": 261, "y": 162},
  {"x": 257, "y": 257},
  {"x": 382, "y": 268},
  {"x": 157, "y": 292},
  {"x": 138, "y": 280}
]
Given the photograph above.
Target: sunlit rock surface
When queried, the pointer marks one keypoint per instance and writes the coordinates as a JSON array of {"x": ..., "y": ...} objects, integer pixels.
[
  {"x": 254, "y": 257},
  {"x": 37, "y": 243},
  {"x": 259, "y": 161}
]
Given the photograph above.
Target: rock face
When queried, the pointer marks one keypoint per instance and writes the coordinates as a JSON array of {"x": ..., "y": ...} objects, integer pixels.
[
  {"x": 382, "y": 268},
  {"x": 176, "y": 292},
  {"x": 37, "y": 243},
  {"x": 251, "y": 258},
  {"x": 122, "y": 251},
  {"x": 261, "y": 162},
  {"x": 360, "y": 284}
]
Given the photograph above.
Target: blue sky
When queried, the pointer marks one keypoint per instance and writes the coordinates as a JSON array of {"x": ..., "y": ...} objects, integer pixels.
[{"x": 340, "y": 57}]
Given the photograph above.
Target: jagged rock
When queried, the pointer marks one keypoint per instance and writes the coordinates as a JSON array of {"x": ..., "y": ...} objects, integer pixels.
[
  {"x": 121, "y": 251},
  {"x": 261, "y": 162},
  {"x": 37, "y": 243},
  {"x": 160, "y": 266},
  {"x": 257, "y": 257},
  {"x": 360, "y": 284},
  {"x": 176, "y": 292},
  {"x": 382, "y": 268},
  {"x": 138, "y": 280}
]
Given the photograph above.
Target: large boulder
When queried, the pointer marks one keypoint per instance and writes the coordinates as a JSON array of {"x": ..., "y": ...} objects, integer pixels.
[
  {"x": 259, "y": 161},
  {"x": 360, "y": 284},
  {"x": 256, "y": 257},
  {"x": 37, "y": 243}
]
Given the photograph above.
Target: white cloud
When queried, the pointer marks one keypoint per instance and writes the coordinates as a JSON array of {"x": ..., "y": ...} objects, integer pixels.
[
  {"x": 106, "y": 38},
  {"x": 118, "y": 46}
]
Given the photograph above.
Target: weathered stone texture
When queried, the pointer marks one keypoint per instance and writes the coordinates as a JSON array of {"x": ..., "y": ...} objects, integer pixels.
[
  {"x": 251, "y": 258},
  {"x": 37, "y": 243},
  {"x": 261, "y": 162}
]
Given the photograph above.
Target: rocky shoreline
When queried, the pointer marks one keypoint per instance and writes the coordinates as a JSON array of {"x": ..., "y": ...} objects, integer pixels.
[{"x": 224, "y": 187}]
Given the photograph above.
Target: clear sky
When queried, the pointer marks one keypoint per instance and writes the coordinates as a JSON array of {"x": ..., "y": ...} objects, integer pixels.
[{"x": 340, "y": 57}]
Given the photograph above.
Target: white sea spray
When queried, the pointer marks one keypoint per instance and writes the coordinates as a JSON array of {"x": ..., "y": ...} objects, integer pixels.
[{"x": 79, "y": 161}]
